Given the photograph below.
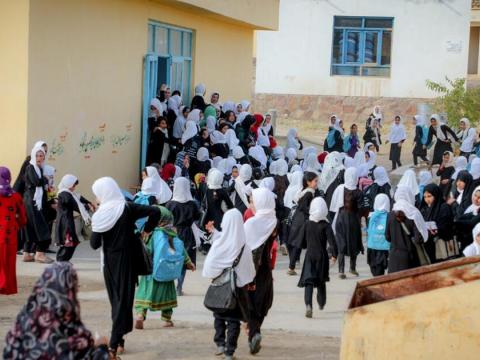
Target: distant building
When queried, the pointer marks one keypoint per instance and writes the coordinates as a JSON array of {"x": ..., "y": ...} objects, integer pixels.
[
  {"x": 346, "y": 56},
  {"x": 80, "y": 74}
]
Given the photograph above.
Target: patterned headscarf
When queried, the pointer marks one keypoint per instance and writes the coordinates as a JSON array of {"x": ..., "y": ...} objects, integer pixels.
[
  {"x": 49, "y": 325},
  {"x": 166, "y": 221},
  {"x": 5, "y": 180}
]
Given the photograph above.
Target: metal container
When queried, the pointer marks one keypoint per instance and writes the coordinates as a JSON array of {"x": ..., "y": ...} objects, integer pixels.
[{"x": 431, "y": 312}]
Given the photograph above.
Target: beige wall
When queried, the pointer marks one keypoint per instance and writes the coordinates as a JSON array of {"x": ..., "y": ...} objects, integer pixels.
[
  {"x": 13, "y": 82},
  {"x": 86, "y": 76},
  {"x": 474, "y": 51}
]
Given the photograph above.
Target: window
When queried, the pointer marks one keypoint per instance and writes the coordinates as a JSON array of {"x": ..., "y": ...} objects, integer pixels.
[
  {"x": 173, "y": 46},
  {"x": 361, "y": 46}
]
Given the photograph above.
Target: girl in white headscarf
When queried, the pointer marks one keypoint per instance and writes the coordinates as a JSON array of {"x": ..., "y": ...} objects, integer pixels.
[
  {"x": 295, "y": 186},
  {"x": 409, "y": 180},
  {"x": 474, "y": 248},
  {"x": 310, "y": 163},
  {"x": 424, "y": 178},
  {"x": 229, "y": 246},
  {"x": 475, "y": 169},
  {"x": 37, "y": 231},
  {"x": 293, "y": 141},
  {"x": 315, "y": 271},
  {"x": 381, "y": 185},
  {"x": 211, "y": 124},
  {"x": 377, "y": 244},
  {"x": 445, "y": 136},
  {"x": 346, "y": 223},
  {"x": 219, "y": 144},
  {"x": 461, "y": 163},
  {"x": 421, "y": 139},
  {"x": 258, "y": 154},
  {"x": 396, "y": 138},
  {"x": 179, "y": 124},
  {"x": 291, "y": 156},
  {"x": 69, "y": 202},
  {"x": 334, "y": 140},
  {"x": 260, "y": 232},
  {"x": 232, "y": 140},
  {"x": 468, "y": 137},
  {"x": 174, "y": 102},
  {"x": 185, "y": 212},
  {"x": 331, "y": 176},
  {"x": 216, "y": 200},
  {"x": 161, "y": 190},
  {"x": 406, "y": 232},
  {"x": 113, "y": 229},
  {"x": 242, "y": 189}
]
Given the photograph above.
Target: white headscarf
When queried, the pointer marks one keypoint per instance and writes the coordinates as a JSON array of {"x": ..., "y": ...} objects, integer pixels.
[
  {"x": 157, "y": 105},
  {"x": 178, "y": 172},
  {"x": 67, "y": 182},
  {"x": 381, "y": 176},
  {"x": 268, "y": 183},
  {"x": 174, "y": 103},
  {"x": 181, "y": 190},
  {"x": 337, "y": 126},
  {"x": 372, "y": 159},
  {"x": 38, "y": 195},
  {"x": 211, "y": 124},
  {"x": 190, "y": 131},
  {"x": 202, "y": 154},
  {"x": 232, "y": 140},
  {"x": 238, "y": 152},
  {"x": 397, "y": 133},
  {"x": 425, "y": 178},
  {"x": 243, "y": 190},
  {"x": 294, "y": 188},
  {"x": 162, "y": 192},
  {"x": 475, "y": 169},
  {"x": 112, "y": 204},
  {"x": 216, "y": 161},
  {"x": 258, "y": 154},
  {"x": 281, "y": 167},
  {"x": 179, "y": 124},
  {"x": 331, "y": 168},
  {"x": 359, "y": 158},
  {"x": 381, "y": 203},
  {"x": 311, "y": 164},
  {"x": 228, "y": 106},
  {"x": 226, "y": 247},
  {"x": 292, "y": 142},
  {"x": 440, "y": 134},
  {"x": 291, "y": 155},
  {"x": 148, "y": 187},
  {"x": 194, "y": 116},
  {"x": 461, "y": 163},
  {"x": 474, "y": 248},
  {"x": 214, "y": 179},
  {"x": 266, "y": 127},
  {"x": 200, "y": 90},
  {"x": 262, "y": 138},
  {"x": 277, "y": 153},
  {"x": 473, "y": 208},
  {"x": 349, "y": 162},
  {"x": 378, "y": 115},
  {"x": 245, "y": 105},
  {"x": 217, "y": 137},
  {"x": 419, "y": 120},
  {"x": 405, "y": 202},
  {"x": 318, "y": 210},
  {"x": 409, "y": 180},
  {"x": 259, "y": 227},
  {"x": 338, "y": 198}
]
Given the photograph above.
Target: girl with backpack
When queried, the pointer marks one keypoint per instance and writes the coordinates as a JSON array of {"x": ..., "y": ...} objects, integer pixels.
[
  {"x": 167, "y": 250},
  {"x": 420, "y": 140},
  {"x": 377, "y": 244}
]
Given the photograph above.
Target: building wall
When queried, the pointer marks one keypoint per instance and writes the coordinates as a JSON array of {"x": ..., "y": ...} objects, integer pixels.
[
  {"x": 474, "y": 49},
  {"x": 297, "y": 58},
  {"x": 13, "y": 82},
  {"x": 86, "y": 78}
]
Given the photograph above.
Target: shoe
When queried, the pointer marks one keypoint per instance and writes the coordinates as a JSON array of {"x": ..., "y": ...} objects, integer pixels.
[
  {"x": 256, "y": 344},
  {"x": 220, "y": 350},
  {"x": 168, "y": 324},
  {"x": 342, "y": 276},
  {"x": 229, "y": 357},
  {"x": 19, "y": 252},
  {"x": 121, "y": 349},
  {"x": 43, "y": 259},
  {"x": 309, "y": 312},
  {"x": 321, "y": 307},
  {"x": 291, "y": 272},
  {"x": 180, "y": 292},
  {"x": 283, "y": 250},
  {"x": 139, "y": 322},
  {"x": 354, "y": 272},
  {"x": 28, "y": 258}
]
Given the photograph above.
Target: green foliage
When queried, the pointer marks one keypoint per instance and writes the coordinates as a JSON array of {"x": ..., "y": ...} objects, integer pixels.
[{"x": 456, "y": 100}]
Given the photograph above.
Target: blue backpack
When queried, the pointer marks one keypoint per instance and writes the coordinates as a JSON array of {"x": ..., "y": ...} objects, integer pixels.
[
  {"x": 167, "y": 263},
  {"x": 424, "y": 135},
  {"x": 376, "y": 231},
  {"x": 141, "y": 199}
]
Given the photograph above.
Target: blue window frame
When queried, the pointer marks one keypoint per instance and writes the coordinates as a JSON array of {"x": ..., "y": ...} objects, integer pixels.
[
  {"x": 361, "y": 46},
  {"x": 173, "y": 46}
]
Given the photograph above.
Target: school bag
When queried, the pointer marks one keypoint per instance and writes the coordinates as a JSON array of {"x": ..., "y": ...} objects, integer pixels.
[
  {"x": 424, "y": 135},
  {"x": 167, "y": 262},
  {"x": 141, "y": 199}
]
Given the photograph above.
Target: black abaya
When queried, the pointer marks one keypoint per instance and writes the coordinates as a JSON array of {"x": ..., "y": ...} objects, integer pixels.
[
  {"x": 348, "y": 229},
  {"x": 118, "y": 270}
]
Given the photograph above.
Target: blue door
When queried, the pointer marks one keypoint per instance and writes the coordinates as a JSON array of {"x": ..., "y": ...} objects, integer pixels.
[{"x": 150, "y": 76}]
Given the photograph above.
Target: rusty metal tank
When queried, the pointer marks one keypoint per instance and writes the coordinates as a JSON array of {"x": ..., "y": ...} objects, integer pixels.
[{"x": 431, "y": 312}]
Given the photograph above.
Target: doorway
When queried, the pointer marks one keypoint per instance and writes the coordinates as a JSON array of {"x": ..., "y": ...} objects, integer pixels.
[{"x": 168, "y": 61}]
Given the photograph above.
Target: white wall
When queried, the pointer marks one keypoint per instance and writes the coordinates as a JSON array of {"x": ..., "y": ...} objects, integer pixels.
[{"x": 297, "y": 58}]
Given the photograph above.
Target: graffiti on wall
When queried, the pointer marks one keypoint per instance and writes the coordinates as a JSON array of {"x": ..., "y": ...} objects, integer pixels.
[{"x": 90, "y": 144}]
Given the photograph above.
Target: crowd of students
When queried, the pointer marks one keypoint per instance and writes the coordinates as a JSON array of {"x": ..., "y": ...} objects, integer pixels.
[{"x": 217, "y": 181}]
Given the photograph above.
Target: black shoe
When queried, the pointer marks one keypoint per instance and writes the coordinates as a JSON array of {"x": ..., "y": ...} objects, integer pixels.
[{"x": 255, "y": 344}]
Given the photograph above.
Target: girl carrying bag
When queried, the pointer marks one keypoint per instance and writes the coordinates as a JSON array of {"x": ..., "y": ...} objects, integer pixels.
[{"x": 221, "y": 294}]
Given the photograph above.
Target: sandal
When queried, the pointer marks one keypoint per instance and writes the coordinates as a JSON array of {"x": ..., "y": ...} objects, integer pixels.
[
  {"x": 120, "y": 350},
  {"x": 28, "y": 258},
  {"x": 44, "y": 260},
  {"x": 112, "y": 354},
  {"x": 139, "y": 322},
  {"x": 168, "y": 324}
]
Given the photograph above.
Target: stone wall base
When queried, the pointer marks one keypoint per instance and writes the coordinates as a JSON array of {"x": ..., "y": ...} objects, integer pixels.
[{"x": 352, "y": 109}]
